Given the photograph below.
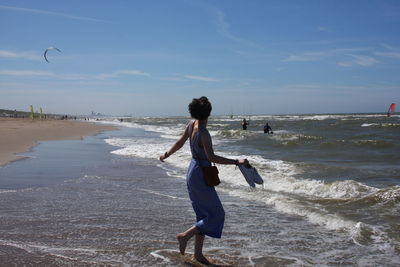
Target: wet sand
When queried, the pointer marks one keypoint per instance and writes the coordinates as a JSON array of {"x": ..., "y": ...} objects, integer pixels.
[{"x": 19, "y": 135}]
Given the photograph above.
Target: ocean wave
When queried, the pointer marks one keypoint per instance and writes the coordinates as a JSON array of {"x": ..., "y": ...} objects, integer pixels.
[
  {"x": 278, "y": 174},
  {"x": 4, "y": 191},
  {"x": 166, "y": 131},
  {"x": 232, "y": 133},
  {"x": 143, "y": 148},
  {"x": 369, "y": 124},
  {"x": 364, "y": 143},
  {"x": 375, "y": 124},
  {"x": 361, "y": 233},
  {"x": 375, "y": 238},
  {"x": 318, "y": 117},
  {"x": 341, "y": 190},
  {"x": 390, "y": 195},
  {"x": 373, "y": 143},
  {"x": 281, "y": 137},
  {"x": 368, "y": 235},
  {"x": 286, "y": 138},
  {"x": 286, "y": 204}
]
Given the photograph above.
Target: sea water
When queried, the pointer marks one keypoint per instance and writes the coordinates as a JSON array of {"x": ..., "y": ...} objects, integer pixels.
[
  {"x": 339, "y": 172},
  {"x": 331, "y": 194}
]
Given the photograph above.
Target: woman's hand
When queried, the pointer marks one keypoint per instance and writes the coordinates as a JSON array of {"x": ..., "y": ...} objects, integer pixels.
[
  {"x": 243, "y": 162},
  {"x": 164, "y": 156}
]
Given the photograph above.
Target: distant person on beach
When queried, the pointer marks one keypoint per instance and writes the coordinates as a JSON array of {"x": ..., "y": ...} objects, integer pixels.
[
  {"x": 210, "y": 214},
  {"x": 268, "y": 129},
  {"x": 244, "y": 124}
]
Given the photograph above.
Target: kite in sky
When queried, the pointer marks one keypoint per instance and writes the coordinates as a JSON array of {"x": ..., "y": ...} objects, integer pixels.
[{"x": 48, "y": 49}]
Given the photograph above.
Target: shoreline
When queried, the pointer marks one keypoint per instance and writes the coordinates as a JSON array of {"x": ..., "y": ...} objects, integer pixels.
[{"x": 19, "y": 135}]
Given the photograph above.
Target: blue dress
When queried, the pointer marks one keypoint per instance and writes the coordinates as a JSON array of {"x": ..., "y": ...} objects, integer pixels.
[{"x": 210, "y": 214}]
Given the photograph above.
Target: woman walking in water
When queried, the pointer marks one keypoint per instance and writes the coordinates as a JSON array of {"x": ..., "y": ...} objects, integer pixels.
[{"x": 210, "y": 214}]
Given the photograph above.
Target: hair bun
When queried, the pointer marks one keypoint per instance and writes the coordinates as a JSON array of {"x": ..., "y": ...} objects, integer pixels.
[{"x": 200, "y": 108}]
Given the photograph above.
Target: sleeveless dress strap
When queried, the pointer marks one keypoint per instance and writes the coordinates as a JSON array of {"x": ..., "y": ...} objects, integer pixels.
[{"x": 194, "y": 144}]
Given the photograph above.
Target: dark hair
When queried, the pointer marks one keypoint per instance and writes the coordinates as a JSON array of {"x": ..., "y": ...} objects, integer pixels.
[{"x": 200, "y": 108}]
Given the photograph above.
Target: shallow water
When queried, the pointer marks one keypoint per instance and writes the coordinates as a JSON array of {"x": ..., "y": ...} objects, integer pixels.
[{"x": 331, "y": 195}]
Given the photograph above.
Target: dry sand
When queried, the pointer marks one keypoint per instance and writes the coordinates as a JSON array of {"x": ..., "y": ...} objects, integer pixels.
[{"x": 20, "y": 135}]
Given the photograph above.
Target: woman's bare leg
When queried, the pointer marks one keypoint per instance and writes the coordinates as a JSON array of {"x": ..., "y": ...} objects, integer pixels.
[
  {"x": 184, "y": 237},
  {"x": 198, "y": 249}
]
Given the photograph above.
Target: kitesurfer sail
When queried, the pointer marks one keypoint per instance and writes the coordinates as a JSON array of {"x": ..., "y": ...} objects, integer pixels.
[
  {"x": 391, "y": 109},
  {"x": 50, "y": 48}
]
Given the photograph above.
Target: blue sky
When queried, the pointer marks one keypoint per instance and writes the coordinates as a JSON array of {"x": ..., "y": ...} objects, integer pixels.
[{"x": 151, "y": 57}]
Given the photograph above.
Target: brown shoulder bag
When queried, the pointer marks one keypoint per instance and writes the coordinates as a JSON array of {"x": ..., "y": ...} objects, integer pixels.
[{"x": 211, "y": 176}]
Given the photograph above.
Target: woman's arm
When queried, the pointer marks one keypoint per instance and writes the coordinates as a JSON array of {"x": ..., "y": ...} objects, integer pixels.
[
  {"x": 177, "y": 145},
  {"x": 208, "y": 148}
]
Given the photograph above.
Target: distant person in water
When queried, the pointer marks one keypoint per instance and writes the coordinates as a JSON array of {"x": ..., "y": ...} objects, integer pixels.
[
  {"x": 244, "y": 124},
  {"x": 210, "y": 214},
  {"x": 268, "y": 129}
]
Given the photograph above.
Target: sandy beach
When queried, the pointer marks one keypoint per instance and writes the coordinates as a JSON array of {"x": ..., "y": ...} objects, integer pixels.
[{"x": 20, "y": 135}]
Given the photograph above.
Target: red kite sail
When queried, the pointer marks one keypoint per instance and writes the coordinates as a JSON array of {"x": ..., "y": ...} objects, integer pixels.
[{"x": 391, "y": 109}]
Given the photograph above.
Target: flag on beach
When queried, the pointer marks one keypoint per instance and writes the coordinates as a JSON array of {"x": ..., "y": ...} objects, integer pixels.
[{"x": 32, "y": 113}]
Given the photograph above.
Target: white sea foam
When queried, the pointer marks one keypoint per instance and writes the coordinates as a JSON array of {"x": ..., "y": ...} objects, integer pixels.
[
  {"x": 300, "y": 117},
  {"x": 149, "y": 148},
  {"x": 167, "y": 132},
  {"x": 288, "y": 205},
  {"x": 159, "y": 194},
  {"x": 56, "y": 251},
  {"x": 361, "y": 233},
  {"x": 4, "y": 191},
  {"x": 369, "y": 124},
  {"x": 157, "y": 254},
  {"x": 316, "y": 117},
  {"x": 278, "y": 175},
  {"x": 380, "y": 125}
]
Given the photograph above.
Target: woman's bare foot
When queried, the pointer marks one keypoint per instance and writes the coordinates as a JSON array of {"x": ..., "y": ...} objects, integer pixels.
[
  {"x": 182, "y": 239},
  {"x": 201, "y": 259}
]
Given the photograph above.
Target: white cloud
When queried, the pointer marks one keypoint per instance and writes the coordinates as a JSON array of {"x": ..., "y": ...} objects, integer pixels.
[
  {"x": 395, "y": 55},
  {"x": 345, "y": 64},
  {"x": 360, "y": 60},
  {"x": 322, "y": 29},
  {"x": 44, "y": 12},
  {"x": 224, "y": 28},
  {"x": 310, "y": 56},
  {"x": 320, "y": 55},
  {"x": 364, "y": 60},
  {"x": 174, "y": 79},
  {"x": 71, "y": 76},
  {"x": 19, "y": 54},
  {"x": 391, "y": 52},
  {"x": 26, "y": 73},
  {"x": 200, "y": 78},
  {"x": 122, "y": 72}
]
